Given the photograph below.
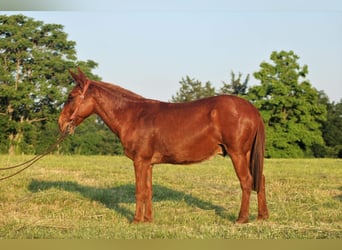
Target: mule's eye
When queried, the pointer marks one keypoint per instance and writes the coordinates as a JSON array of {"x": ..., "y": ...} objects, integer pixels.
[{"x": 70, "y": 97}]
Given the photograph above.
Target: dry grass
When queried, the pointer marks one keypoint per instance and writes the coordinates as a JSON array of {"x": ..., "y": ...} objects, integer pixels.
[{"x": 93, "y": 198}]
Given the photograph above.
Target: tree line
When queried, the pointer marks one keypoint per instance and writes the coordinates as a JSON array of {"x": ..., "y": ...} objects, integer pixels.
[{"x": 34, "y": 83}]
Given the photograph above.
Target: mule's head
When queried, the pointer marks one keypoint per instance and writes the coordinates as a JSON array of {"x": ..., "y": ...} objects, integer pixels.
[{"x": 79, "y": 105}]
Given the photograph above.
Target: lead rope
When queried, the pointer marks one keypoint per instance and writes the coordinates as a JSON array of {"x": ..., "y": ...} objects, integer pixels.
[{"x": 34, "y": 159}]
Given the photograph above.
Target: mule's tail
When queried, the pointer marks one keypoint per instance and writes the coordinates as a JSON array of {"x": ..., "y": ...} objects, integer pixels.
[{"x": 257, "y": 156}]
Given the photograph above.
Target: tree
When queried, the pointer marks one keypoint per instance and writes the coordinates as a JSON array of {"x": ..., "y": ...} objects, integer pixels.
[
  {"x": 332, "y": 129},
  {"x": 192, "y": 89},
  {"x": 236, "y": 85},
  {"x": 290, "y": 106},
  {"x": 34, "y": 79}
]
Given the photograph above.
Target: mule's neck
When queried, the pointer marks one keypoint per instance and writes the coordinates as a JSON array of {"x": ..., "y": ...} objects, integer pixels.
[{"x": 116, "y": 106}]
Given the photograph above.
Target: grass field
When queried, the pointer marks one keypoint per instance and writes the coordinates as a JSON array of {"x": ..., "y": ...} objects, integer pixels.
[{"x": 80, "y": 197}]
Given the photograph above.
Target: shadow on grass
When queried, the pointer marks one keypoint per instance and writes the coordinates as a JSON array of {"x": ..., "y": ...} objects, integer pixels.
[
  {"x": 339, "y": 197},
  {"x": 113, "y": 197}
]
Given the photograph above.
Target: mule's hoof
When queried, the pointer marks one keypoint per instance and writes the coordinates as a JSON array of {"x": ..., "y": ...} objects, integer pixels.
[
  {"x": 137, "y": 221},
  {"x": 262, "y": 217},
  {"x": 148, "y": 220},
  {"x": 241, "y": 221},
  {"x": 145, "y": 220}
]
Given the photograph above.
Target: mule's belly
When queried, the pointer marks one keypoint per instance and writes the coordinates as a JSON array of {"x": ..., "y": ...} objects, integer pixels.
[
  {"x": 191, "y": 157},
  {"x": 187, "y": 152}
]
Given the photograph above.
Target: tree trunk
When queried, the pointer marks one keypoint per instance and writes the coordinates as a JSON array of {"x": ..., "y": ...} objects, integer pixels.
[{"x": 15, "y": 140}]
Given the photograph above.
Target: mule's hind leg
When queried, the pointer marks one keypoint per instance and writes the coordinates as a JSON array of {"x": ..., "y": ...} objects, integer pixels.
[
  {"x": 241, "y": 163},
  {"x": 262, "y": 206}
]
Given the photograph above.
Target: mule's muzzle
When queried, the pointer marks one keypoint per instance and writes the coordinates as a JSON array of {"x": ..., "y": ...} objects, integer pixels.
[
  {"x": 66, "y": 127},
  {"x": 70, "y": 128}
]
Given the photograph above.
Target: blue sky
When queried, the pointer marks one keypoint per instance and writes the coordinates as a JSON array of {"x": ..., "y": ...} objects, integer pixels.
[{"x": 148, "y": 46}]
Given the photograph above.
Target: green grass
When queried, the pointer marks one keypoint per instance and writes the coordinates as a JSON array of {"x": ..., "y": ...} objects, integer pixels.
[{"x": 92, "y": 197}]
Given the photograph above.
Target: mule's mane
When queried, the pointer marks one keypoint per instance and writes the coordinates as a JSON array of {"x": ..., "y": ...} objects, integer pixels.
[
  {"x": 115, "y": 89},
  {"x": 123, "y": 93}
]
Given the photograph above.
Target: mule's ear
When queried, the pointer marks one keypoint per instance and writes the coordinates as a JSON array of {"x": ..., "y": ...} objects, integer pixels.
[
  {"x": 82, "y": 78},
  {"x": 81, "y": 74},
  {"x": 74, "y": 75}
]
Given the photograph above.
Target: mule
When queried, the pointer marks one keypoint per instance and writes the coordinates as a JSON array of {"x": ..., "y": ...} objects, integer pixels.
[{"x": 154, "y": 132}]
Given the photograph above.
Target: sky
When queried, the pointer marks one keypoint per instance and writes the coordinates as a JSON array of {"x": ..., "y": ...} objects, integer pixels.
[{"x": 149, "y": 46}]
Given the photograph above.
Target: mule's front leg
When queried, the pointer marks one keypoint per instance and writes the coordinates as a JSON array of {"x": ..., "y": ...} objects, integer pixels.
[
  {"x": 143, "y": 191},
  {"x": 148, "y": 195}
]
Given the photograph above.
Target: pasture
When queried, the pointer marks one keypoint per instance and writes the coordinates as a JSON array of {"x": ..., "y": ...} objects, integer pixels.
[{"x": 93, "y": 197}]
